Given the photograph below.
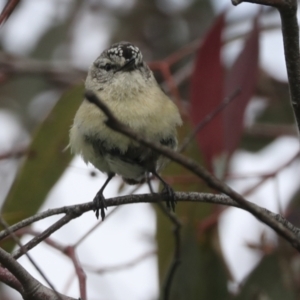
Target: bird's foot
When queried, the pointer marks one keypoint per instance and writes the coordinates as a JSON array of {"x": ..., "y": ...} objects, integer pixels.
[
  {"x": 99, "y": 204},
  {"x": 170, "y": 195}
]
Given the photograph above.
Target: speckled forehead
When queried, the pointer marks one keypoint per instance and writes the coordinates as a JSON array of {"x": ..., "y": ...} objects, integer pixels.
[{"x": 124, "y": 52}]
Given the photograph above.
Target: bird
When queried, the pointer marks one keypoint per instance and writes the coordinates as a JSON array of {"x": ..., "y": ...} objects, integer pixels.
[{"x": 124, "y": 82}]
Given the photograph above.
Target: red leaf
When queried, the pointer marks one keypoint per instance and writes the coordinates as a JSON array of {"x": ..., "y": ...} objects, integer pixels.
[
  {"x": 207, "y": 91},
  {"x": 242, "y": 75}
]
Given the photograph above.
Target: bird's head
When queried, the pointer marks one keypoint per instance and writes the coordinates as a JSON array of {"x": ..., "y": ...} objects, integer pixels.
[{"x": 118, "y": 58}]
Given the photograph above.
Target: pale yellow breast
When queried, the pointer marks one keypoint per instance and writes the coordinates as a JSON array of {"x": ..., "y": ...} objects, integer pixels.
[{"x": 139, "y": 104}]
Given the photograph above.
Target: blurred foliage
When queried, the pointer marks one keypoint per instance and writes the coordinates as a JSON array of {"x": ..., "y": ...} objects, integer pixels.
[
  {"x": 45, "y": 162},
  {"x": 271, "y": 279},
  {"x": 278, "y": 111},
  {"x": 162, "y": 31},
  {"x": 199, "y": 251},
  {"x": 160, "y": 28}
]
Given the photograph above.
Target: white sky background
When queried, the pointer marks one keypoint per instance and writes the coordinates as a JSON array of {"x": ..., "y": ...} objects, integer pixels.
[{"x": 131, "y": 231}]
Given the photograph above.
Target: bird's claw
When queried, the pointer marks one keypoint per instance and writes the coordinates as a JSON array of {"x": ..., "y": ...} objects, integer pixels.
[
  {"x": 170, "y": 195},
  {"x": 99, "y": 204}
]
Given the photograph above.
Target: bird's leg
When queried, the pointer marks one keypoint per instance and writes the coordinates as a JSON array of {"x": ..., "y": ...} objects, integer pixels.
[
  {"x": 148, "y": 180},
  {"x": 168, "y": 191},
  {"x": 99, "y": 200}
]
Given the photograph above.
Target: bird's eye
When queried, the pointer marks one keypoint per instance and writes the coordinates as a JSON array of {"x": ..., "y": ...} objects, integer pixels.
[{"x": 107, "y": 67}]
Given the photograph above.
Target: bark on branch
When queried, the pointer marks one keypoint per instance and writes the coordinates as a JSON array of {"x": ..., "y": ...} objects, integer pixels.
[
  {"x": 290, "y": 33},
  {"x": 195, "y": 168}
]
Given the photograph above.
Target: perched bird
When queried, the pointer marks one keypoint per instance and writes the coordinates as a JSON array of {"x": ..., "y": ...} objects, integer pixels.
[{"x": 124, "y": 82}]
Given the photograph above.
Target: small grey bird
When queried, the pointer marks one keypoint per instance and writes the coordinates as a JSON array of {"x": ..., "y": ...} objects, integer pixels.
[{"x": 121, "y": 79}]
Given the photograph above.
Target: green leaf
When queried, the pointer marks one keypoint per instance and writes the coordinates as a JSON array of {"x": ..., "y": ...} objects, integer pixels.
[
  {"x": 202, "y": 274},
  {"x": 195, "y": 277},
  {"x": 268, "y": 281},
  {"x": 46, "y": 160}
]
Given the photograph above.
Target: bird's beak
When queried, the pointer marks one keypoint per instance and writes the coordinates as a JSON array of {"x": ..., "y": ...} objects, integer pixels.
[{"x": 129, "y": 66}]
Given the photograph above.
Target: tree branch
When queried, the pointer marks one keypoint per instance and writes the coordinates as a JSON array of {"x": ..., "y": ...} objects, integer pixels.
[
  {"x": 16, "y": 239},
  {"x": 177, "y": 250},
  {"x": 58, "y": 72},
  {"x": 31, "y": 288},
  {"x": 120, "y": 267},
  {"x": 9, "y": 279},
  {"x": 207, "y": 119},
  {"x": 8, "y": 9},
  {"x": 70, "y": 251},
  {"x": 36, "y": 240},
  {"x": 191, "y": 165},
  {"x": 48, "y": 213},
  {"x": 153, "y": 198},
  {"x": 290, "y": 32}
]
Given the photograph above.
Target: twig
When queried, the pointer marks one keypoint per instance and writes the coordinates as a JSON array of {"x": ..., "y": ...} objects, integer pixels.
[
  {"x": 69, "y": 210},
  {"x": 191, "y": 165},
  {"x": 265, "y": 177},
  {"x": 36, "y": 240},
  {"x": 207, "y": 119},
  {"x": 80, "y": 240},
  {"x": 271, "y": 130},
  {"x": 290, "y": 32},
  {"x": 17, "y": 241},
  {"x": 177, "y": 241},
  {"x": 70, "y": 251},
  {"x": 57, "y": 72},
  {"x": 164, "y": 68},
  {"x": 177, "y": 249},
  {"x": 8, "y": 9},
  {"x": 120, "y": 267},
  {"x": 177, "y": 245},
  {"x": 13, "y": 154},
  {"x": 32, "y": 289}
]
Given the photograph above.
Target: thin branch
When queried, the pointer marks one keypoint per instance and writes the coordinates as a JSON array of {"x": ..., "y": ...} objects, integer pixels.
[
  {"x": 32, "y": 289},
  {"x": 265, "y": 177},
  {"x": 8, "y": 9},
  {"x": 271, "y": 130},
  {"x": 48, "y": 213},
  {"x": 13, "y": 154},
  {"x": 57, "y": 72},
  {"x": 164, "y": 68},
  {"x": 207, "y": 119},
  {"x": 79, "y": 209},
  {"x": 120, "y": 267},
  {"x": 290, "y": 32},
  {"x": 36, "y": 240},
  {"x": 17, "y": 241},
  {"x": 154, "y": 198},
  {"x": 177, "y": 250},
  {"x": 70, "y": 251},
  {"x": 49, "y": 241},
  {"x": 194, "y": 167},
  {"x": 81, "y": 239},
  {"x": 177, "y": 244}
]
